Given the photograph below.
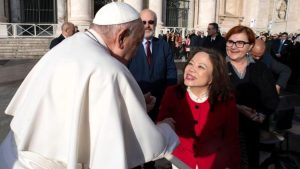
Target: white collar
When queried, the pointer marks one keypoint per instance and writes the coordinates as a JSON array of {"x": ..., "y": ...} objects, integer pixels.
[
  {"x": 195, "y": 98},
  {"x": 98, "y": 37},
  {"x": 145, "y": 40}
]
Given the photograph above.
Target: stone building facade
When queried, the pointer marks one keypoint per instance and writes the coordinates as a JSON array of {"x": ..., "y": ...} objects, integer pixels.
[{"x": 262, "y": 15}]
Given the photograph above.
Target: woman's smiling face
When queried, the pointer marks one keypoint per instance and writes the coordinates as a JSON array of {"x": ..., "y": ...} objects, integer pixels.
[
  {"x": 238, "y": 53},
  {"x": 198, "y": 72}
]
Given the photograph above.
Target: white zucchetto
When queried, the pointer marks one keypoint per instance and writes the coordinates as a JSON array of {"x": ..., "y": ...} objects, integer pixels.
[{"x": 115, "y": 13}]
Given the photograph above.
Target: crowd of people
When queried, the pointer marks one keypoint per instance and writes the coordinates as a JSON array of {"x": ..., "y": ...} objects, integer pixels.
[
  {"x": 284, "y": 48},
  {"x": 109, "y": 97}
]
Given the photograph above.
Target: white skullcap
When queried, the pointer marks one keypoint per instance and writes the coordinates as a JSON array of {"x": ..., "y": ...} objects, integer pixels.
[{"x": 115, "y": 13}]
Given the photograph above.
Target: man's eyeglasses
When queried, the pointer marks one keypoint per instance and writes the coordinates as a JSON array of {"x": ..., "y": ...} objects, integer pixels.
[
  {"x": 150, "y": 22},
  {"x": 238, "y": 44}
]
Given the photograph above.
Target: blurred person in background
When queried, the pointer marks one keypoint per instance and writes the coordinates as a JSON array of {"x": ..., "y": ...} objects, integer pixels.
[
  {"x": 280, "y": 70},
  {"x": 67, "y": 30},
  {"x": 214, "y": 39}
]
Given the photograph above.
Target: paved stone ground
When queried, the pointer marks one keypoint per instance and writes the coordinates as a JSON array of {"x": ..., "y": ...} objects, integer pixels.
[{"x": 12, "y": 74}]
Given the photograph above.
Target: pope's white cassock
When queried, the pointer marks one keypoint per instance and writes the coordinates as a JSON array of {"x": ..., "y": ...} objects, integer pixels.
[{"x": 81, "y": 105}]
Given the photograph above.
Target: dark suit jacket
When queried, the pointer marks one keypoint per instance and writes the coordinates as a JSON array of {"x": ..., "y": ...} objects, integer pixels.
[
  {"x": 219, "y": 44},
  {"x": 281, "y": 71},
  {"x": 284, "y": 50},
  {"x": 194, "y": 40},
  {"x": 56, "y": 41},
  {"x": 160, "y": 73}
]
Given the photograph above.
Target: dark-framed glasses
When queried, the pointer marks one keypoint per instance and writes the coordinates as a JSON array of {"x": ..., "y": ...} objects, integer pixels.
[
  {"x": 150, "y": 22},
  {"x": 238, "y": 44}
]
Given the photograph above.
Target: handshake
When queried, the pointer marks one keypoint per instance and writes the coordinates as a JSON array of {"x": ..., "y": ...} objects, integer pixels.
[{"x": 150, "y": 102}]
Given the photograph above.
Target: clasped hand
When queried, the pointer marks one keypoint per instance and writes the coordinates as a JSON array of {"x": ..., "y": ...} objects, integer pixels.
[{"x": 251, "y": 113}]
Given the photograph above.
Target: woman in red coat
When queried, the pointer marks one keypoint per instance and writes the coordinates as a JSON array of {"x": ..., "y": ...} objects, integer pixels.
[{"x": 205, "y": 114}]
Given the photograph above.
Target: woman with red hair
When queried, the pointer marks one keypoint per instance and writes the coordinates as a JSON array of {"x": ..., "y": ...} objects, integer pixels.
[{"x": 255, "y": 91}]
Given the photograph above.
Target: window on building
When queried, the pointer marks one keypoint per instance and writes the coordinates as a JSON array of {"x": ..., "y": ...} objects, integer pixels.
[
  {"x": 177, "y": 13},
  {"x": 99, "y": 3},
  {"x": 38, "y": 11}
]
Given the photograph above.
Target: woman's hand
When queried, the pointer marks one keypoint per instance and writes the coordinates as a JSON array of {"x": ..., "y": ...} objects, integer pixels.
[{"x": 251, "y": 113}]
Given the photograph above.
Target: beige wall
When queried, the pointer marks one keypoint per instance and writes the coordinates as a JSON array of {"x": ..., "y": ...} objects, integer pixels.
[{"x": 292, "y": 24}]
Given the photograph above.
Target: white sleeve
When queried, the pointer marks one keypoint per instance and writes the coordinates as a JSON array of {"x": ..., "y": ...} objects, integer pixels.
[{"x": 170, "y": 136}]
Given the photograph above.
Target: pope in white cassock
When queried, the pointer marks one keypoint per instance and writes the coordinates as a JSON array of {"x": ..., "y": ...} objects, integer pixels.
[{"x": 80, "y": 104}]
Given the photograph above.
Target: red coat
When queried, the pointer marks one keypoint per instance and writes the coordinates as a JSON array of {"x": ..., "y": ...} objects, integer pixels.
[{"x": 207, "y": 139}]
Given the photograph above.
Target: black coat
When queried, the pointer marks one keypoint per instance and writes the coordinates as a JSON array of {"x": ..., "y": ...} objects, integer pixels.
[
  {"x": 257, "y": 89},
  {"x": 219, "y": 44},
  {"x": 285, "y": 49},
  {"x": 56, "y": 41}
]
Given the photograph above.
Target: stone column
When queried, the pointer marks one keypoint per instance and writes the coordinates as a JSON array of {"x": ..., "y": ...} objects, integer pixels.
[
  {"x": 164, "y": 14},
  {"x": 191, "y": 14},
  {"x": 207, "y": 13},
  {"x": 61, "y": 11},
  {"x": 3, "y": 17},
  {"x": 62, "y": 14},
  {"x": 157, "y": 7},
  {"x": 196, "y": 13},
  {"x": 15, "y": 8},
  {"x": 138, "y": 5},
  {"x": 80, "y": 12}
]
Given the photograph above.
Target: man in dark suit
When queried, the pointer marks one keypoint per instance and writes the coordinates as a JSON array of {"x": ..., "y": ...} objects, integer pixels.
[
  {"x": 200, "y": 38},
  {"x": 280, "y": 48},
  {"x": 281, "y": 71},
  {"x": 194, "y": 40},
  {"x": 67, "y": 30},
  {"x": 153, "y": 66},
  {"x": 214, "y": 39}
]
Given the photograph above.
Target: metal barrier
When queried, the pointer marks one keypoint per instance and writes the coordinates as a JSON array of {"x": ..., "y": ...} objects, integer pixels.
[
  {"x": 181, "y": 30},
  {"x": 14, "y": 30}
]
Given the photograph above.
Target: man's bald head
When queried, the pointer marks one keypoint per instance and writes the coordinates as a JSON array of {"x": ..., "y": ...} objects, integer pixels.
[
  {"x": 149, "y": 12},
  {"x": 258, "y": 49},
  {"x": 68, "y": 29}
]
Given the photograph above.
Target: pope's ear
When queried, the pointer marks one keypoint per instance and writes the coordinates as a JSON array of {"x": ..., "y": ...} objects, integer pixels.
[{"x": 122, "y": 36}]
